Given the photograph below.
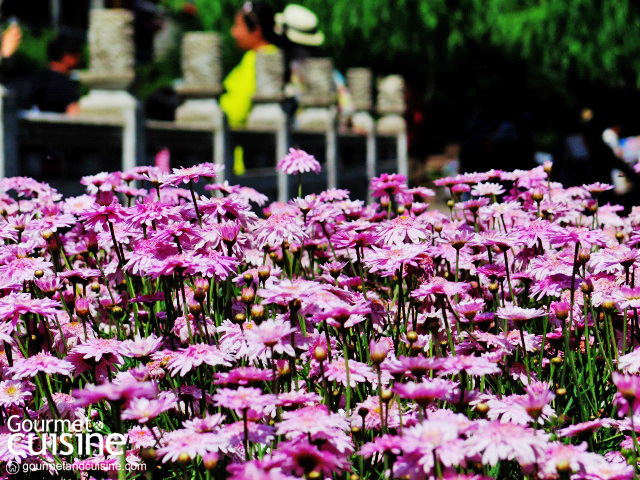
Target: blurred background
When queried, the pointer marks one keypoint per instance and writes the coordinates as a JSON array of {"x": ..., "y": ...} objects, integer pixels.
[{"x": 473, "y": 69}]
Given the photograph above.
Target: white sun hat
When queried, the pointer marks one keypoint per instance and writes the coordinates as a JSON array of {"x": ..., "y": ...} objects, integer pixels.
[{"x": 299, "y": 25}]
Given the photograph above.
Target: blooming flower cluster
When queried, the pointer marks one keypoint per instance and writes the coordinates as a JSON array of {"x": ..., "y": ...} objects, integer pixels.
[{"x": 325, "y": 338}]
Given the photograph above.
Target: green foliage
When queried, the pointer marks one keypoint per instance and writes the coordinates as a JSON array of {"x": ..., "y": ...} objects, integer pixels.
[{"x": 594, "y": 41}]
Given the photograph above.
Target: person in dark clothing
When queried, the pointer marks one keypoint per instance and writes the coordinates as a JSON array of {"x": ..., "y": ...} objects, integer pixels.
[
  {"x": 52, "y": 89},
  {"x": 582, "y": 157}
]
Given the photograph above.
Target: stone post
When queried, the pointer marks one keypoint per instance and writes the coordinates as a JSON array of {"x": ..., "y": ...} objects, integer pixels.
[
  {"x": 111, "y": 53},
  {"x": 201, "y": 86},
  {"x": 267, "y": 113},
  {"x": 391, "y": 106}
]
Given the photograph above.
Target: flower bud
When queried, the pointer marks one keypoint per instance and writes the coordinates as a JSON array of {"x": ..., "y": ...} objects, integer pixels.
[
  {"x": 493, "y": 287},
  {"x": 248, "y": 295},
  {"x": 583, "y": 257},
  {"x": 561, "y": 309},
  {"x": 437, "y": 227},
  {"x": 46, "y": 234},
  {"x": 148, "y": 454},
  {"x": 210, "y": 460},
  {"x": 563, "y": 466},
  {"x": 386, "y": 395},
  {"x": 586, "y": 286},
  {"x": 608, "y": 305},
  {"x": 264, "y": 272},
  {"x": 194, "y": 307},
  {"x": 239, "y": 318},
  {"x": 105, "y": 197},
  {"x": 82, "y": 307},
  {"x": 95, "y": 287},
  {"x": 412, "y": 336},
  {"x": 561, "y": 391},
  {"x": 248, "y": 278},
  {"x": 116, "y": 310},
  {"x": 257, "y": 312},
  {"x": 482, "y": 408},
  {"x": 92, "y": 243},
  {"x": 38, "y": 274},
  {"x": 556, "y": 360},
  {"x": 377, "y": 352},
  {"x": 320, "y": 353}
]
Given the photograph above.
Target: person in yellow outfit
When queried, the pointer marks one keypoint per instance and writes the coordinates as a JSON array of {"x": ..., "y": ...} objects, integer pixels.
[{"x": 253, "y": 31}]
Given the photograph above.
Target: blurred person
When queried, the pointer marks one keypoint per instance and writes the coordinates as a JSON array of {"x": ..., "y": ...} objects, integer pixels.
[
  {"x": 253, "y": 32},
  {"x": 301, "y": 39},
  {"x": 52, "y": 90},
  {"x": 583, "y": 157}
]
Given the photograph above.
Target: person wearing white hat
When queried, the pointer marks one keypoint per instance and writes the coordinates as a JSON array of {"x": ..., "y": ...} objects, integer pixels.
[{"x": 299, "y": 25}]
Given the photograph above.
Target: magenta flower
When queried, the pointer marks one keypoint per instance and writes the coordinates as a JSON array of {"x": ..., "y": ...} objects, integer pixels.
[
  {"x": 243, "y": 376},
  {"x": 495, "y": 441},
  {"x": 279, "y": 228},
  {"x": 188, "y": 444},
  {"x": 140, "y": 347},
  {"x": 113, "y": 392},
  {"x": 23, "y": 269},
  {"x": 302, "y": 458},
  {"x": 471, "y": 365},
  {"x": 269, "y": 336},
  {"x": 387, "y": 184},
  {"x": 519, "y": 314},
  {"x": 16, "y": 304},
  {"x": 401, "y": 230},
  {"x": 191, "y": 174},
  {"x": 42, "y": 362},
  {"x": 298, "y": 161},
  {"x": 242, "y": 399},
  {"x": 143, "y": 409},
  {"x": 311, "y": 421},
  {"x": 102, "y": 215},
  {"x": 388, "y": 261},
  {"x": 427, "y": 391},
  {"x": 14, "y": 393},
  {"x": 186, "y": 359},
  {"x": 358, "y": 372}
]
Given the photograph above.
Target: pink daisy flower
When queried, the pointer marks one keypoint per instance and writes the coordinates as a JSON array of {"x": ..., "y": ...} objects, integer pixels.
[
  {"x": 243, "y": 376},
  {"x": 495, "y": 441},
  {"x": 401, "y": 230},
  {"x": 14, "y": 393},
  {"x": 388, "y": 261},
  {"x": 16, "y": 304},
  {"x": 279, "y": 228},
  {"x": 186, "y": 359},
  {"x": 387, "y": 184},
  {"x": 242, "y": 399},
  {"x": 42, "y": 362},
  {"x": 302, "y": 458},
  {"x": 427, "y": 391},
  {"x": 24, "y": 268},
  {"x": 143, "y": 409},
  {"x": 358, "y": 372},
  {"x": 298, "y": 161},
  {"x": 471, "y": 365},
  {"x": 310, "y": 421},
  {"x": 140, "y": 347},
  {"x": 190, "y": 444},
  {"x": 270, "y": 335},
  {"x": 125, "y": 391},
  {"x": 191, "y": 174}
]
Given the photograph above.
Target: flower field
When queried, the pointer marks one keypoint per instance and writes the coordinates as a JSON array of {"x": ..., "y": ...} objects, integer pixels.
[{"x": 217, "y": 337}]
